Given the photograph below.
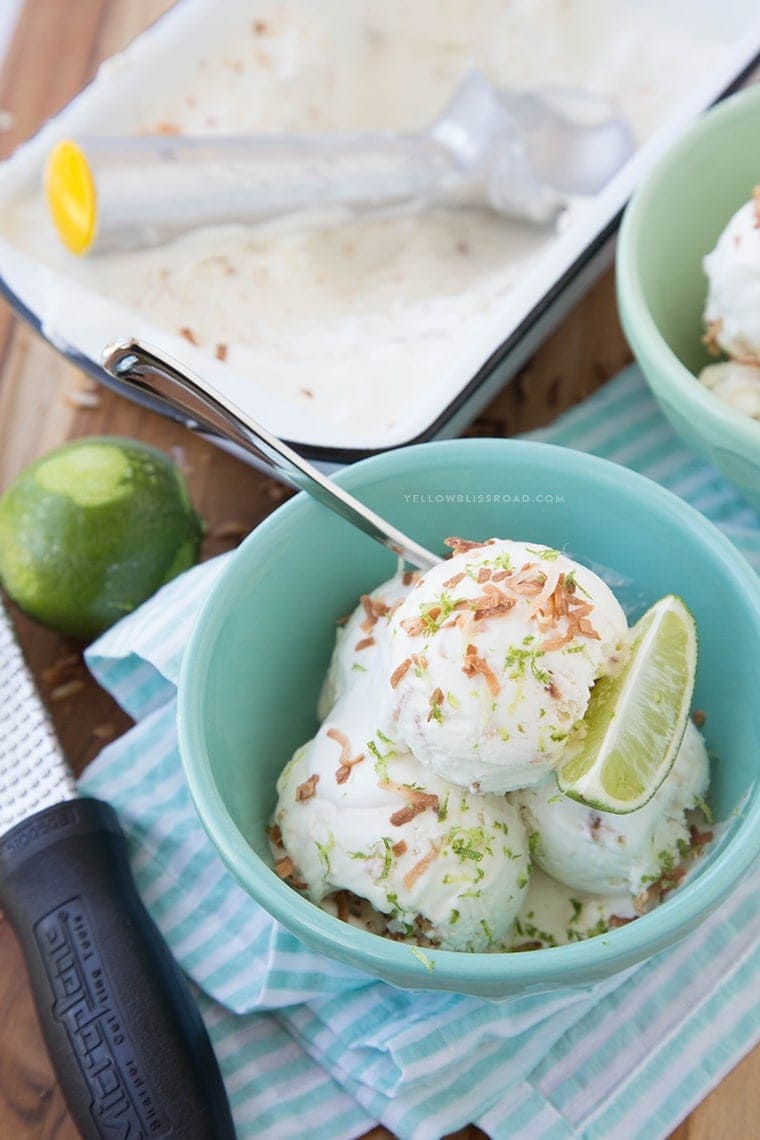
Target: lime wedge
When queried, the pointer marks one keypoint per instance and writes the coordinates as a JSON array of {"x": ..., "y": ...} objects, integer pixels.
[{"x": 636, "y": 719}]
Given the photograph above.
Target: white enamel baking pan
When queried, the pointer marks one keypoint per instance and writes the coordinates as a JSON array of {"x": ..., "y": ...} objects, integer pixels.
[{"x": 664, "y": 62}]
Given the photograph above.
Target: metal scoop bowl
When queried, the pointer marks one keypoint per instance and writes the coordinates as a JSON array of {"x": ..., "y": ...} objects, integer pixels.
[{"x": 519, "y": 154}]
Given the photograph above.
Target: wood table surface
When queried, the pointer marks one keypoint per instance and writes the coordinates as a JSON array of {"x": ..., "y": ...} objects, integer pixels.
[{"x": 56, "y": 48}]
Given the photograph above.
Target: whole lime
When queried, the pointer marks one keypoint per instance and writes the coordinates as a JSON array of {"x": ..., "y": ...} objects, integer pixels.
[{"x": 92, "y": 529}]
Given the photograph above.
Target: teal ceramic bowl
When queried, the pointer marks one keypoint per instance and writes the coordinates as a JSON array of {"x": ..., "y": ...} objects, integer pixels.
[
  {"x": 674, "y": 219},
  {"x": 261, "y": 645}
]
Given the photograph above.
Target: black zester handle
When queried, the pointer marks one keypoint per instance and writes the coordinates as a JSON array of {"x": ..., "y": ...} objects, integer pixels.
[{"x": 125, "y": 1036}]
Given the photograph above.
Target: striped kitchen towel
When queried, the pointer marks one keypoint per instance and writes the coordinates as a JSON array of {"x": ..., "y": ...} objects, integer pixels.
[{"x": 309, "y": 1045}]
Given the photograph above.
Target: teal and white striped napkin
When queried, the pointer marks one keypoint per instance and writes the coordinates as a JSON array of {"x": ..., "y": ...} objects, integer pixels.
[{"x": 310, "y": 1046}]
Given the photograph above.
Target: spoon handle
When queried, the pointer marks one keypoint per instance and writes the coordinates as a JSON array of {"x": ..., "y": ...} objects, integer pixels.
[{"x": 175, "y": 388}]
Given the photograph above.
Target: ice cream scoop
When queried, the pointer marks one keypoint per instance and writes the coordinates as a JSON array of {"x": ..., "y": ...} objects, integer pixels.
[
  {"x": 356, "y": 812},
  {"x": 518, "y": 153},
  {"x": 736, "y": 384},
  {"x": 492, "y": 657},
  {"x": 362, "y": 638},
  {"x": 732, "y": 310},
  {"x": 610, "y": 854}
]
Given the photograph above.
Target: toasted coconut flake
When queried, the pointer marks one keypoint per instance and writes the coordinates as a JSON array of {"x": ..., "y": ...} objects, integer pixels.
[
  {"x": 617, "y": 920},
  {"x": 347, "y": 761},
  {"x": 585, "y": 627},
  {"x": 436, "y": 700},
  {"x": 404, "y": 815},
  {"x": 413, "y": 626},
  {"x": 524, "y": 946},
  {"x": 275, "y": 835},
  {"x": 409, "y": 577},
  {"x": 699, "y": 716},
  {"x": 483, "y": 574},
  {"x": 452, "y": 582},
  {"x": 501, "y": 575},
  {"x": 103, "y": 731},
  {"x": 61, "y": 669},
  {"x": 344, "y": 770},
  {"x": 473, "y": 664},
  {"x": 343, "y": 906},
  {"x": 221, "y": 352},
  {"x": 400, "y": 671},
  {"x": 462, "y": 545},
  {"x": 554, "y": 692},
  {"x": 644, "y": 900},
  {"x": 560, "y": 598},
  {"x": 422, "y": 800},
  {"x": 756, "y": 206},
  {"x": 491, "y": 603},
  {"x": 495, "y": 611},
  {"x": 413, "y": 874},
  {"x": 699, "y": 838},
  {"x": 557, "y": 642},
  {"x": 67, "y": 689},
  {"x": 188, "y": 335},
  {"x": 416, "y": 801},
  {"x": 341, "y": 739},
  {"x": 284, "y": 867},
  {"x": 673, "y": 878},
  {"x": 528, "y": 586},
  {"x": 458, "y": 619},
  {"x": 420, "y": 661},
  {"x": 307, "y": 789},
  {"x": 373, "y": 609},
  {"x": 710, "y": 338},
  {"x": 369, "y": 613},
  {"x": 365, "y": 643},
  {"x": 399, "y": 848}
]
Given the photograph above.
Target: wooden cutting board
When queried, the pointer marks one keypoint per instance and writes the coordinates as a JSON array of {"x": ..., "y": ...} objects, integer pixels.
[{"x": 56, "y": 49}]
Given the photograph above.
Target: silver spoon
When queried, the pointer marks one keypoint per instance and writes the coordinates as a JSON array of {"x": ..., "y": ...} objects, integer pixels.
[{"x": 173, "y": 387}]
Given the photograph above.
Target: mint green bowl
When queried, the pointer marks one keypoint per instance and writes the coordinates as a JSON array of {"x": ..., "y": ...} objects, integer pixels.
[
  {"x": 259, "y": 650},
  {"x": 673, "y": 220}
]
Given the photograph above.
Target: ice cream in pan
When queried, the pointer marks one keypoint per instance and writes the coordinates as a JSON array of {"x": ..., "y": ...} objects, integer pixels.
[{"x": 429, "y": 792}]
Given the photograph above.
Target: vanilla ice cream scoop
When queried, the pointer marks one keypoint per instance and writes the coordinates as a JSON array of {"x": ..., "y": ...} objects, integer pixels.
[
  {"x": 732, "y": 310},
  {"x": 357, "y": 812},
  {"x": 492, "y": 657},
  {"x": 736, "y": 384},
  {"x": 363, "y": 636},
  {"x": 608, "y": 854}
]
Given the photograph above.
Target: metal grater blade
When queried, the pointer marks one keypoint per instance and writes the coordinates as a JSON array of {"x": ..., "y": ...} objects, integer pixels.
[{"x": 33, "y": 771}]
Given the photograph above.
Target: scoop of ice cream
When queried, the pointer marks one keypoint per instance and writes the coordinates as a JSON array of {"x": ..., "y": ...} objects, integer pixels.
[
  {"x": 361, "y": 638},
  {"x": 605, "y": 853},
  {"x": 732, "y": 310},
  {"x": 357, "y": 812},
  {"x": 554, "y": 914},
  {"x": 492, "y": 657},
  {"x": 736, "y": 384}
]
